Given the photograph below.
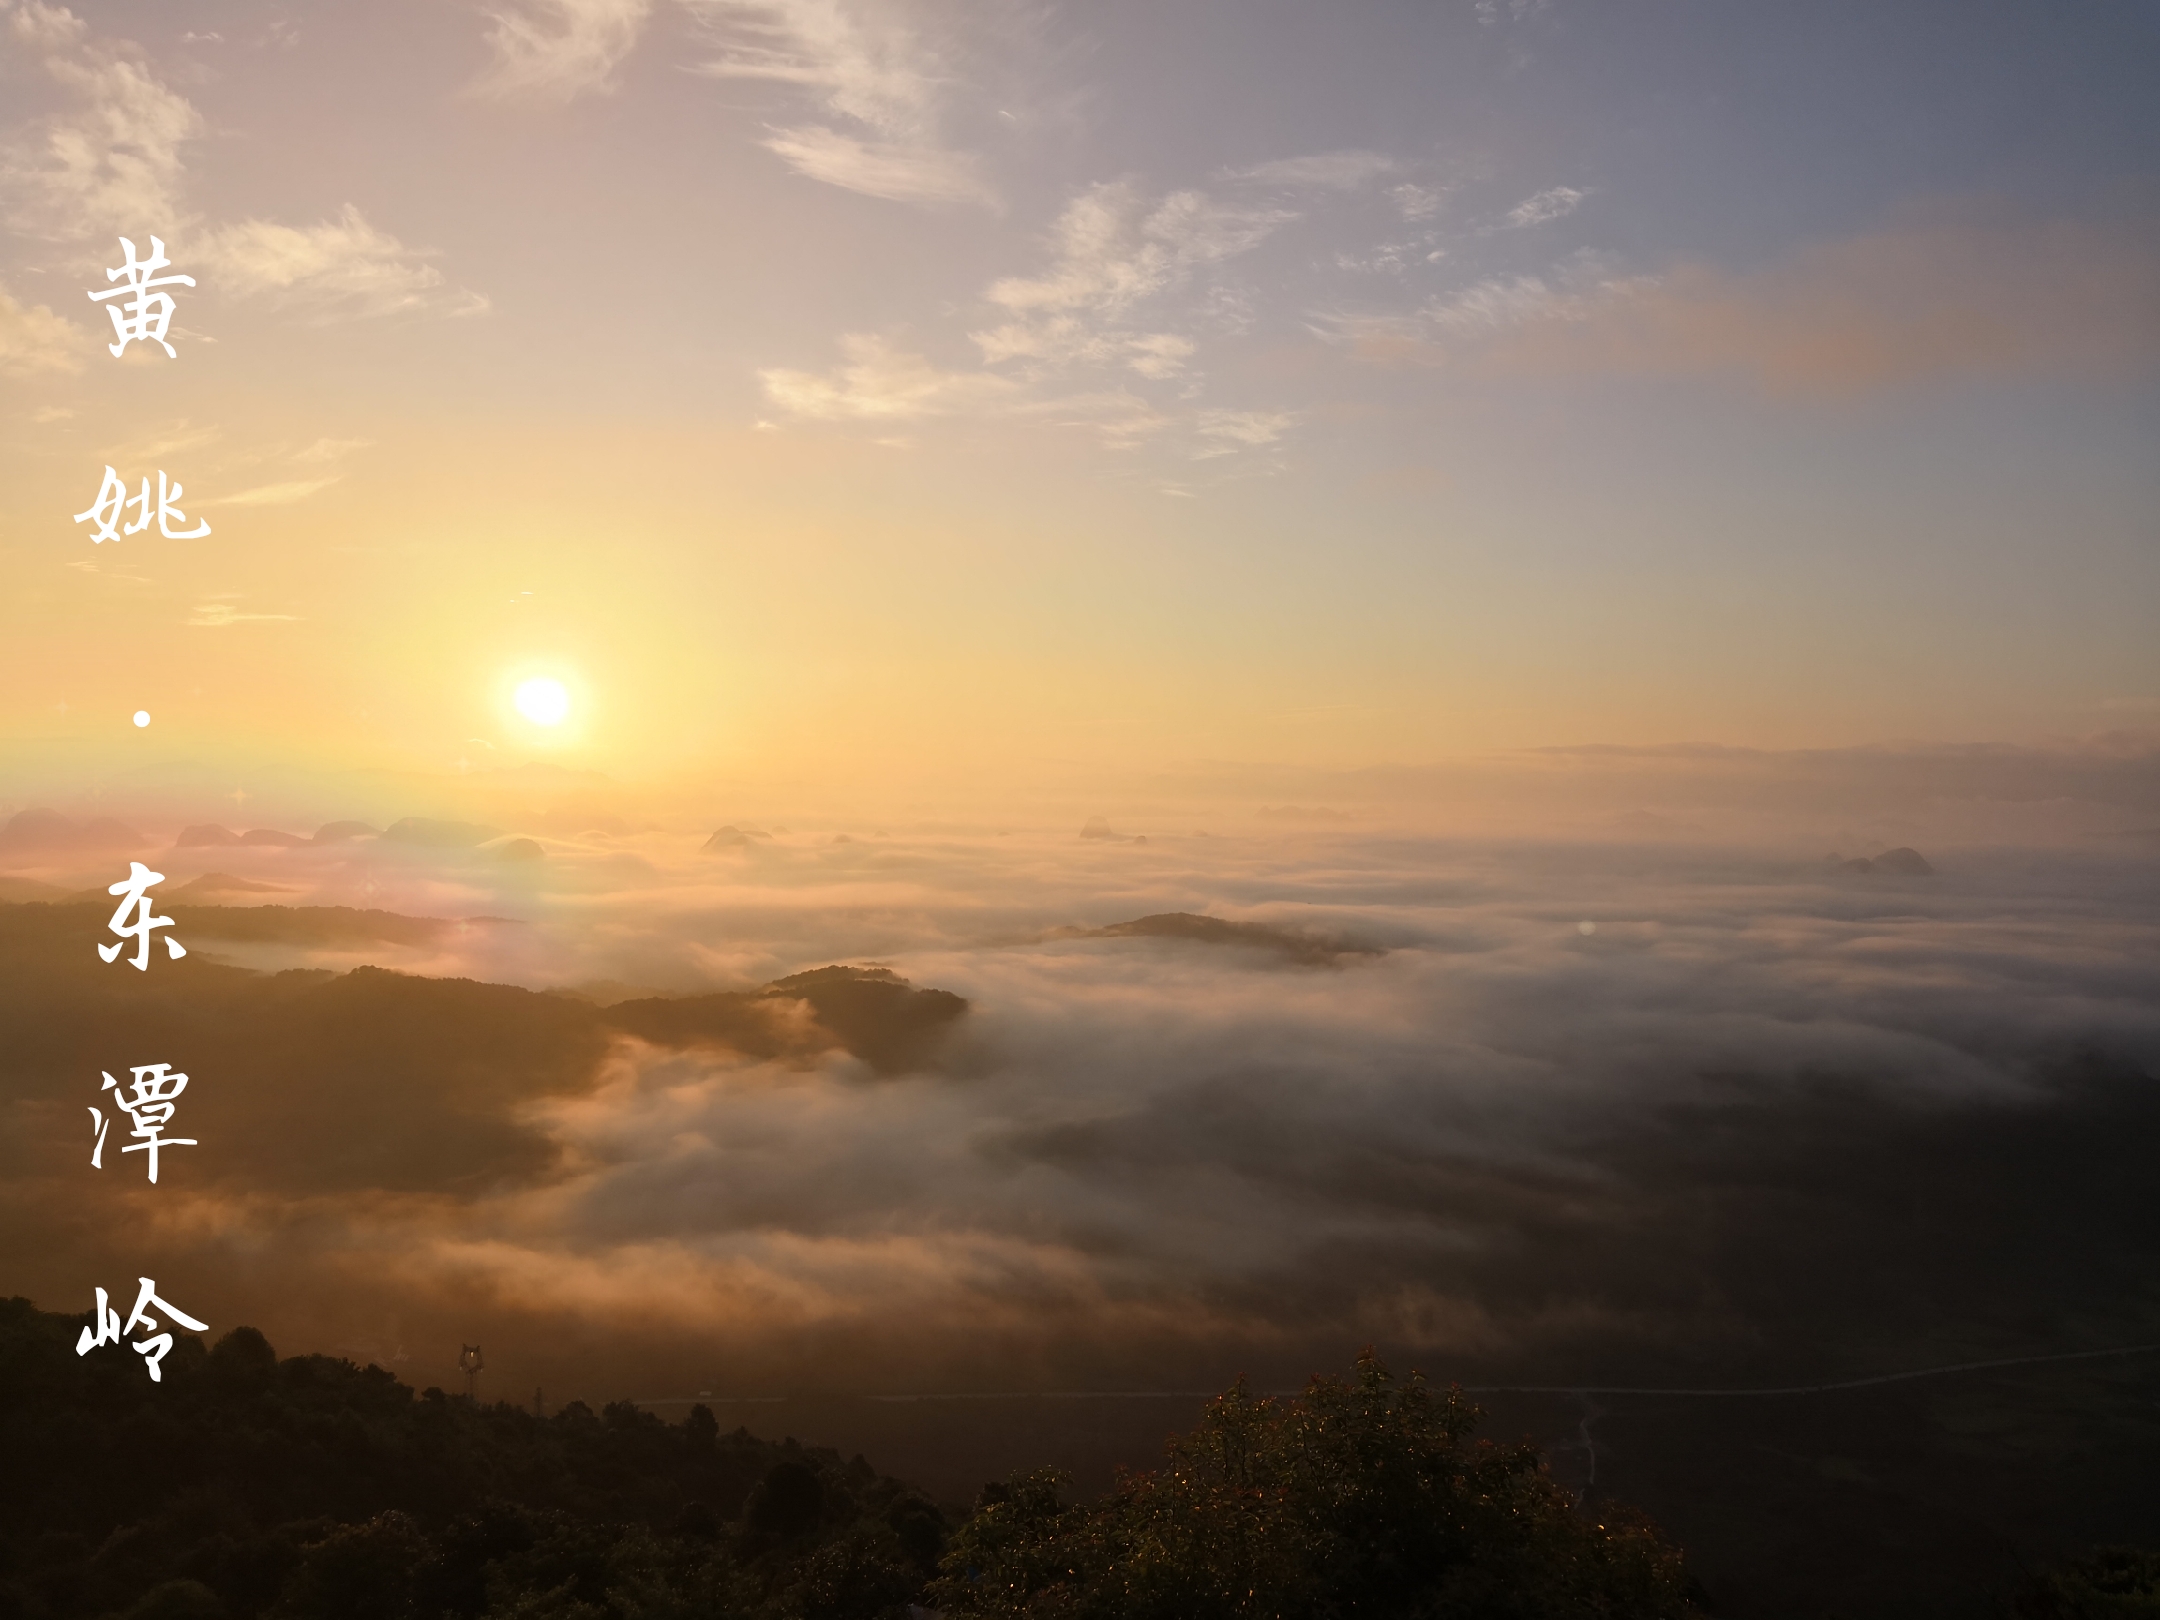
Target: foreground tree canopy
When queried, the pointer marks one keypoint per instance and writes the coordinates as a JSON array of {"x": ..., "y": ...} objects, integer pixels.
[
  {"x": 1356, "y": 1498},
  {"x": 312, "y": 1489}
]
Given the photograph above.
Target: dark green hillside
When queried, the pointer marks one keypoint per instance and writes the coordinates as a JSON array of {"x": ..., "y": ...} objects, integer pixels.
[
  {"x": 244, "y": 1485},
  {"x": 312, "y": 1489}
]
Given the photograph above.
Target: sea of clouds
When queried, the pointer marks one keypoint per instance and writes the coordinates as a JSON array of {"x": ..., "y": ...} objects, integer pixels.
[{"x": 1553, "y": 1109}]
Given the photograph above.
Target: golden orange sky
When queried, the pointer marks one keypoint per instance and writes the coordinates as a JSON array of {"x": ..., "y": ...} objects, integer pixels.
[{"x": 902, "y": 395}]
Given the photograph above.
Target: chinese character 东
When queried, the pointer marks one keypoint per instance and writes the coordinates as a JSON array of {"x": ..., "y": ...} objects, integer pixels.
[
  {"x": 144, "y": 318},
  {"x": 113, "y": 500},
  {"x": 133, "y": 898},
  {"x": 151, "y": 1106},
  {"x": 109, "y": 1330}
]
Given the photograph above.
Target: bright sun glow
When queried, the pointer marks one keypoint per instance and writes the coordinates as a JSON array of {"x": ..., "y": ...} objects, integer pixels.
[{"x": 542, "y": 701}]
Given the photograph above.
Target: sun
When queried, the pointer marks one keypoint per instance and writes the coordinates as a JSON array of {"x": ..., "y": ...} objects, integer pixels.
[{"x": 542, "y": 701}]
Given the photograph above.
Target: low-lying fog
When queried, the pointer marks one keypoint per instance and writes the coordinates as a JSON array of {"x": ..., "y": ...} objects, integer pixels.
[{"x": 1547, "y": 1111}]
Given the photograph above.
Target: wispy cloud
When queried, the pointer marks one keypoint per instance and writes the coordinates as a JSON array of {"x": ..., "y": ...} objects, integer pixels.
[
  {"x": 163, "y": 441},
  {"x": 886, "y": 169},
  {"x": 1490, "y": 13},
  {"x": 1569, "y": 291},
  {"x": 880, "y": 76},
  {"x": 867, "y": 69},
  {"x": 1159, "y": 355},
  {"x": 1549, "y": 204},
  {"x": 883, "y": 383},
  {"x": 217, "y": 612},
  {"x": 1224, "y": 432},
  {"x": 1415, "y": 202},
  {"x": 45, "y": 28},
  {"x": 1325, "y": 171},
  {"x": 33, "y": 339},
  {"x": 1883, "y": 310},
  {"x": 1121, "y": 419},
  {"x": 1503, "y": 301},
  {"x": 323, "y": 450},
  {"x": 113, "y": 166},
  {"x": 557, "y": 50},
  {"x": 1059, "y": 343},
  {"x": 1113, "y": 248},
  {"x": 113, "y": 163},
  {"x": 339, "y": 269},
  {"x": 283, "y": 494}
]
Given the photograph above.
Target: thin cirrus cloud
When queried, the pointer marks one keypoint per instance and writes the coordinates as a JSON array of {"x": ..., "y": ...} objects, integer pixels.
[
  {"x": 1883, "y": 310},
  {"x": 281, "y": 494},
  {"x": 34, "y": 339},
  {"x": 1552, "y": 203},
  {"x": 323, "y": 450},
  {"x": 1930, "y": 301},
  {"x": 337, "y": 269},
  {"x": 1225, "y": 432},
  {"x": 876, "y": 74},
  {"x": 867, "y": 70},
  {"x": 114, "y": 164},
  {"x": 41, "y": 27},
  {"x": 161, "y": 441},
  {"x": 111, "y": 164},
  {"x": 1113, "y": 249},
  {"x": 881, "y": 168},
  {"x": 880, "y": 382},
  {"x": 557, "y": 50},
  {"x": 1570, "y": 291},
  {"x": 220, "y": 612},
  {"x": 1326, "y": 171}
]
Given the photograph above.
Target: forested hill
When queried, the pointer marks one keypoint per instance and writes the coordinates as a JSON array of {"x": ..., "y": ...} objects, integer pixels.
[
  {"x": 243, "y": 1485},
  {"x": 312, "y": 1489}
]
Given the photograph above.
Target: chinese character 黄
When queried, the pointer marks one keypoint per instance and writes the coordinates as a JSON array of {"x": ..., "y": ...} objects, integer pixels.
[
  {"x": 109, "y": 1330},
  {"x": 150, "y": 1103},
  {"x": 133, "y": 898},
  {"x": 146, "y": 315},
  {"x": 113, "y": 500}
]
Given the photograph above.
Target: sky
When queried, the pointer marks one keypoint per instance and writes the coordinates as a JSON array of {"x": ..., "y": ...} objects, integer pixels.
[
  {"x": 1504, "y": 511},
  {"x": 828, "y": 390}
]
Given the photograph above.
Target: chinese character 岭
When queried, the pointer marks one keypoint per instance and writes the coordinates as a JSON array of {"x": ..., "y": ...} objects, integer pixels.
[
  {"x": 109, "y": 1330},
  {"x": 145, "y": 317},
  {"x": 154, "y": 1098},
  {"x": 113, "y": 500},
  {"x": 133, "y": 898}
]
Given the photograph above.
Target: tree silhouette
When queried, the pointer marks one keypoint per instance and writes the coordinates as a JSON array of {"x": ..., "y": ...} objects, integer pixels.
[{"x": 1359, "y": 1497}]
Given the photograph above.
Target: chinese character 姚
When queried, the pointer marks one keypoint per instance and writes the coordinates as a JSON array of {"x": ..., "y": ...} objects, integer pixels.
[
  {"x": 133, "y": 898},
  {"x": 147, "y": 315},
  {"x": 109, "y": 1330},
  {"x": 155, "y": 1093},
  {"x": 113, "y": 499}
]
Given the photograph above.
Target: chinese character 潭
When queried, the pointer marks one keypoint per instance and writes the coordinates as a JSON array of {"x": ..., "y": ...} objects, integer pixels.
[
  {"x": 113, "y": 500},
  {"x": 154, "y": 1098},
  {"x": 109, "y": 1330},
  {"x": 133, "y": 898},
  {"x": 145, "y": 317}
]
